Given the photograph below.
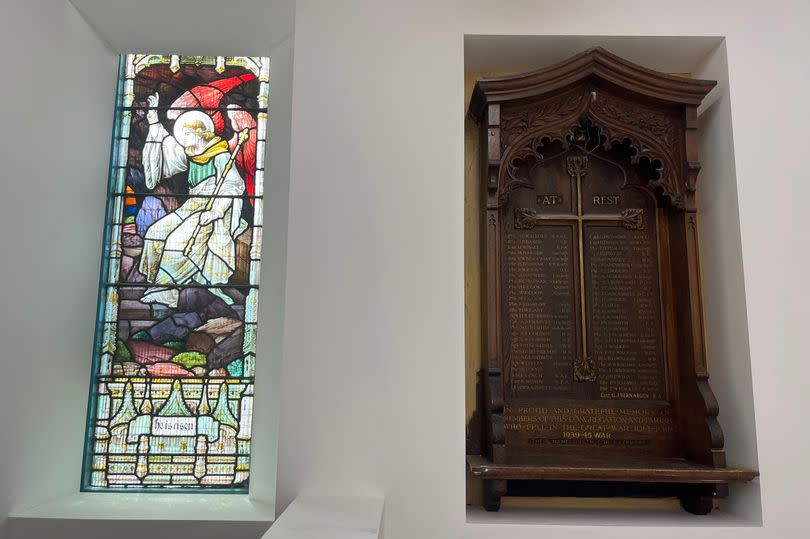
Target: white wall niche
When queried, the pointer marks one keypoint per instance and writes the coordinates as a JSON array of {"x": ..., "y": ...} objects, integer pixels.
[{"x": 721, "y": 251}]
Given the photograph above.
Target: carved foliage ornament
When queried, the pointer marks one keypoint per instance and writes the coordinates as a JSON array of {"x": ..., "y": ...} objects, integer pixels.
[
  {"x": 524, "y": 158},
  {"x": 584, "y": 370},
  {"x": 650, "y": 132},
  {"x": 515, "y": 122},
  {"x": 527, "y": 218}
]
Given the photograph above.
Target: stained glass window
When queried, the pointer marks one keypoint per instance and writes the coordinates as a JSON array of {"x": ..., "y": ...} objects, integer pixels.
[{"x": 173, "y": 373}]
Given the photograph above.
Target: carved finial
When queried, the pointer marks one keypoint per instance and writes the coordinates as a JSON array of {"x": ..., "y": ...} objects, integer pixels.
[
  {"x": 584, "y": 370},
  {"x": 579, "y": 135},
  {"x": 577, "y": 165}
]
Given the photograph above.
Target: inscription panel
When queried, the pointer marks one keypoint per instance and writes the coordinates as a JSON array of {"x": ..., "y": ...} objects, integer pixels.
[
  {"x": 622, "y": 296},
  {"x": 635, "y": 428},
  {"x": 602, "y": 388},
  {"x": 540, "y": 309},
  {"x": 624, "y": 316}
]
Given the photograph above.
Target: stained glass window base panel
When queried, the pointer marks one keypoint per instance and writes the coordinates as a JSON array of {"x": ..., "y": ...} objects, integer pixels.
[{"x": 164, "y": 433}]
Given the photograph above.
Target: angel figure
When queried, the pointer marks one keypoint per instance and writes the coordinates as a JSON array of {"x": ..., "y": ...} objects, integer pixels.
[{"x": 196, "y": 242}]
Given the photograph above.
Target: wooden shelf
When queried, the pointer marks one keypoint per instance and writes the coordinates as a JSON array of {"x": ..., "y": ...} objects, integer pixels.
[{"x": 642, "y": 470}]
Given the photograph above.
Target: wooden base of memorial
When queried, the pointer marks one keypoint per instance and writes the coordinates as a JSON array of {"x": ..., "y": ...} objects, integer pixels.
[
  {"x": 696, "y": 485},
  {"x": 596, "y": 368}
]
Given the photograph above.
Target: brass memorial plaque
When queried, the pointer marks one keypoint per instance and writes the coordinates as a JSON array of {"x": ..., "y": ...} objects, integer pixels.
[{"x": 569, "y": 356}]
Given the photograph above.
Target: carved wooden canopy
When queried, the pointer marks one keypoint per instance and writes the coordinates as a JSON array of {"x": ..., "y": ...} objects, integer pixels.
[{"x": 655, "y": 113}]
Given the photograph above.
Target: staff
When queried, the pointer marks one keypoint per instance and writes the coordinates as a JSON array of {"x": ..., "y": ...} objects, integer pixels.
[{"x": 243, "y": 136}]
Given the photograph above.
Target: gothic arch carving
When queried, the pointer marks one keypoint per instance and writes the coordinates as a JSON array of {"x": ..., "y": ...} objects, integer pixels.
[{"x": 652, "y": 134}]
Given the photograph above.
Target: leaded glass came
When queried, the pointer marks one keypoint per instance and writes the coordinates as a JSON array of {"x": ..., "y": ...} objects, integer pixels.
[{"x": 172, "y": 395}]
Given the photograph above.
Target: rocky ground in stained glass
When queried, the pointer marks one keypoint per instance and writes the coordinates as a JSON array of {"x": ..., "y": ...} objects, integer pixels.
[{"x": 202, "y": 337}]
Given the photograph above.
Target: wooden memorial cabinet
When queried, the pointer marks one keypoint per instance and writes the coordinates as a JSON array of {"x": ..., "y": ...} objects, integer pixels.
[{"x": 596, "y": 371}]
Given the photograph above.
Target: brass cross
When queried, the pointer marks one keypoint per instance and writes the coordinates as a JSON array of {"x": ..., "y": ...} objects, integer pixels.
[{"x": 630, "y": 218}]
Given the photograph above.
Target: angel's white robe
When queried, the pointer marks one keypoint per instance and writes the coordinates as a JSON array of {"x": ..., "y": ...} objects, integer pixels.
[{"x": 212, "y": 259}]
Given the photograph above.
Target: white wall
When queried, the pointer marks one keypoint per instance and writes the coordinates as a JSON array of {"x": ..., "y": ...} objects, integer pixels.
[
  {"x": 372, "y": 385},
  {"x": 55, "y": 143},
  {"x": 273, "y": 274},
  {"x": 724, "y": 283}
]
